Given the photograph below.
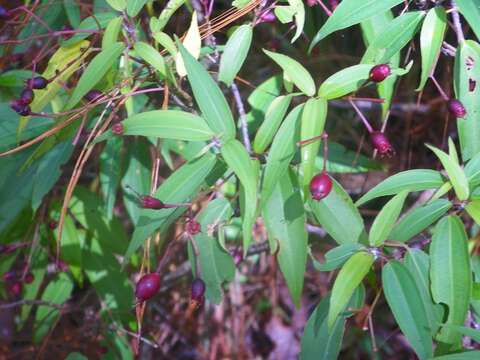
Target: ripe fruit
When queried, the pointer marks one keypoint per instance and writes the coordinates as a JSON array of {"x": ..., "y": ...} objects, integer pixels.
[
  {"x": 381, "y": 143},
  {"x": 456, "y": 108},
  {"x": 9, "y": 275},
  {"x": 320, "y": 186},
  {"x": 38, "y": 82},
  {"x": 16, "y": 288},
  {"x": 197, "y": 290},
  {"x": 192, "y": 227},
  {"x": 147, "y": 286},
  {"x": 29, "y": 278},
  {"x": 380, "y": 72},
  {"x": 92, "y": 95},
  {"x": 26, "y": 96},
  {"x": 20, "y": 108},
  {"x": 117, "y": 129}
]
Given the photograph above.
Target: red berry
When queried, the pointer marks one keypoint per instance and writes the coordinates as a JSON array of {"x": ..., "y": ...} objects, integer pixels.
[
  {"x": 38, "y": 82},
  {"x": 92, "y": 95},
  {"x": 320, "y": 186},
  {"x": 29, "y": 278},
  {"x": 26, "y": 97},
  {"x": 117, "y": 129},
  {"x": 52, "y": 224},
  {"x": 16, "y": 288},
  {"x": 149, "y": 202},
  {"x": 380, "y": 72},
  {"x": 147, "y": 286},
  {"x": 456, "y": 108},
  {"x": 192, "y": 227},
  {"x": 381, "y": 143},
  {"x": 197, "y": 290}
]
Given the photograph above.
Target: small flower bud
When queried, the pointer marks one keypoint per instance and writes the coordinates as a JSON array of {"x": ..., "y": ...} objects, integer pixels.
[
  {"x": 192, "y": 227},
  {"x": 381, "y": 143},
  {"x": 117, "y": 129},
  {"x": 149, "y": 202},
  {"x": 456, "y": 108}
]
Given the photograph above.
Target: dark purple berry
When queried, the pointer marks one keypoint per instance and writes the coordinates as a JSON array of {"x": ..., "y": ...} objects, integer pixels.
[
  {"x": 192, "y": 227},
  {"x": 26, "y": 96},
  {"x": 320, "y": 186},
  {"x": 9, "y": 275},
  {"x": 267, "y": 17},
  {"x": 197, "y": 290},
  {"x": 29, "y": 278},
  {"x": 380, "y": 72},
  {"x": 381, "y": 143},
  {"x": 149, "y": 202},
  {"x": 117, "y": 129},
  {"x": 456, "y": 108},
  {"x": 20, "y": 108},
  {"x": 147, "y": 286},
  {"x": 16, "y": 288},
  {"x": 38, "y": 82},
  {"x": 4, "y": 13},
  {"x": 92, "y": 95}
]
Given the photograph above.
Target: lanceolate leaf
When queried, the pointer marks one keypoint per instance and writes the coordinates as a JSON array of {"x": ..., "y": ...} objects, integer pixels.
[
  {"x": 351, "y": 12},
  {"x": 94, "y": 72},
  {"x": 237, "y": 158},
  {"x": 112, "y": 31},
  {"x": 209, "y": 97},
  {"x": 393, "y": 38},
  {"x": 467, "y": 355},
  {"x": 337, "y": 256},
  {"x": 419, "y": 219},
  {"x": 450, "y": 273},
  {"x": 338, "y": 215},
  {"x": 295, "y": 72},
  {"x": 467, "y": 90},
  {"x": 386, "y": 218},
  {"x": 273, "y": 118},
  {"x": 472, "y": 171},
  {"x": 411, "y": 180},
  {"x": 192, "y": 42},
  {"x": 179, "y": 187},
  {"x": 431, "y": 38},
  {"x": 455, "y": 173},
  {"x": 169, "y": 124},
  {"x": 235, "y": 53},
  {"x": 151, "y": 56},
  {"x": 345, "y": 81},
  {"x": 349, "y": 277},
  {"x": 110, "y": 172},
  {"x": 404, "y": 300},
  {"x": 118, "y": 5},
  {"x": 282, "y": 151},
  {"x": 473, "y": 209},
  {"x": 285, "y": 221},
  {"x": 471, "y": 11},
  {"x": 313, "y": 122},
  {"x": 134, "y": 7}
]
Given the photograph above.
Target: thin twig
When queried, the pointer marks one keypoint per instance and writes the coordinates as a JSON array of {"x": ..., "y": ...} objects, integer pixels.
[
  {"x": 243, "y": 117},
  {"x": 457, "y": 25}
]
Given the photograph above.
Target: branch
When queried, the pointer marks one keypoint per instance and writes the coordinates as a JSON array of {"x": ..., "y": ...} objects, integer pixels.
[
  {"x": 456, "y": 23},
  {"x": 243, "y": 117}
]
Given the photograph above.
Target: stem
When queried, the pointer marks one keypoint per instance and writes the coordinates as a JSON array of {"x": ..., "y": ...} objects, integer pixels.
[
  {"x": 243, "y": 117},
  {"x": 325, "y": 151},
  {"x": 324, "y": 7},
  {"x": 362, "y": 117},
  {"x": 439, "y": 88},
  {"x": 457, "y": 25}
]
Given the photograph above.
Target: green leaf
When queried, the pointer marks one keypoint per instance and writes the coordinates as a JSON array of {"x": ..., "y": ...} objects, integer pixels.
[
  {"x": 295, "y": 72},
  {"x": 57, "y": 292},
  {"x": 166, "y": 41},
  {"x": 118, "y": 5},
  {"x": 273, "y": 118},
  {"x": 419, "y": 219},
  {"x": 472, "y": 171},
  {"x": 152, "y": 56},
  {"x": 281, "y": 152},
  {"x": 351, "y": 12},
  {"x": 338, "y": 215},
  {"x": 76, "y": 356},
  {"x": 411, "y": 180},
  {"x": 169, "y": 124},
  {"x": 403, "y": 298},
  {"x": 299, "y": 15},
  {"x": 209, "y": 97},
  {"x": 167, "y": 12},
  {"x": 313, "y": 123},
  {"x": 237, "y": 158},
  {"x": 471, "y": 11},
  {"x": 99, "y": 22},
  {"x": 455, "y": 173},
  {"x": 285, "y": 219},
  {"x": 134, "y": 7},
  {"x": 466, "y": 355},
  {"x": 386, "y": 218},
  {"x": 349, "y": 277},
  {"x": 418, "y": 264},
  {"x": 94, "y": 72},
  {"x": 235, "y": 53},
  {"x": 450, "y": 273},
  {"x": 337, "y": 256},
  {"x": 431, "y": 39},
  {"x": 469, "y": 126},
  {"x": 73, "y": 12},
  {"x": 112, "y": 32},
  {"x": 345, "y": 81},
  {"x": 473, "y": 209},
  {"x": 318, "y": 343},
  {"x": 393, "y": 38},
  {"x": 110, "y": 172},
  {"x": 178, "y": 187},
  {"x": 216, "y": 264},
  {"x": 466, "y": 331}
]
